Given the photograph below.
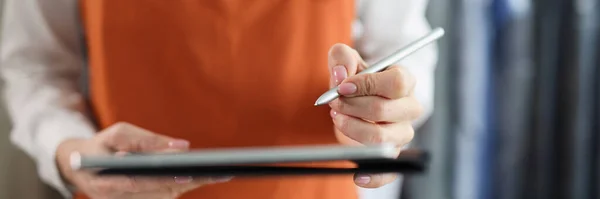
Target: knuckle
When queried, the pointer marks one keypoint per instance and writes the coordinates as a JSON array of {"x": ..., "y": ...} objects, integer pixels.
[
  {"x": 418, "y": 110},
  {"x": 397, "y": 84},
  {"x": 115, "y": 132},
  {"x": 368, "y": 85},
  {"x": 410, "y": 111},
  {"x": 404, "y": 112},
  {"x": 378, "y": 111},
  {"x": 148, "y": 142},
  {"x": 378, "y": 136},
  {"x": 121, "y": 127}
]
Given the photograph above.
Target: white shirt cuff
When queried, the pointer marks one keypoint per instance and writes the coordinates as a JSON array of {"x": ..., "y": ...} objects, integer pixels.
[{"x": 51, "y": 133}]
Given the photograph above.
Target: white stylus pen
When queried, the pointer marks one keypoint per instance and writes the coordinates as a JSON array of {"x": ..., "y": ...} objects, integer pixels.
[{"x": 435, "y": 34}]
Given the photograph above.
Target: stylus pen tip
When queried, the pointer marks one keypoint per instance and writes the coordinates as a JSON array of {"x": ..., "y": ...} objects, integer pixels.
[{"x": 327, "y": 97}]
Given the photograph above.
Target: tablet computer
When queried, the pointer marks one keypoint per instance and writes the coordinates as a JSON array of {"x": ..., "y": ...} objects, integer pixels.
[
  {"x": 237, "y": 156},
  {"x": 254, "y": 161}
]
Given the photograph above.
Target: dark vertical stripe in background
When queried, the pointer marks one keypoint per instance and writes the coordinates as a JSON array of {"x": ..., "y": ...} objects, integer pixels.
[
  {"x": 566, "y": 101},
  {"x": 513, "y": 66},
  {"x": 548, "y": 18},
  {"x": 584, "y": 28},
  {"x": 595, "y": 185}
]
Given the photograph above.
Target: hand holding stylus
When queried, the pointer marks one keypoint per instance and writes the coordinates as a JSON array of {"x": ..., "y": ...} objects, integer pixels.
[{"x": 373, "y": 107}]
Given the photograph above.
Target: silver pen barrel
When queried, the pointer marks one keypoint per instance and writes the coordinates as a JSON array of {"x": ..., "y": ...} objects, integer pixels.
[{"x": 386, "y": 62}]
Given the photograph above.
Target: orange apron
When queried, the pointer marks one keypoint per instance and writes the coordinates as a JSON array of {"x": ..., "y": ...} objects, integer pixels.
[{"x": 221, "y": 73}]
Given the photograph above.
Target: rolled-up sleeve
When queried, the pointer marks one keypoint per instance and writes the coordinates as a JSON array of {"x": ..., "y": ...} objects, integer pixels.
[
  {"x": 40, "y": 62},
  {"x": 384, "y": 26}
]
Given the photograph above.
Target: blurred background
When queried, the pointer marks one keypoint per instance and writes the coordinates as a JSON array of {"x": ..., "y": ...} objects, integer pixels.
[
  {"x": 517, "y": 103},
  {"x": 517, "y": 109}
]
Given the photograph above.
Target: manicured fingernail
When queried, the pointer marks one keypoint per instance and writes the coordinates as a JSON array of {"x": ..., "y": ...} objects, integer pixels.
[
  {"x": 332, "y": 113},
  {"x": 182, "y": 179},
  {"x": 179, "y": 144},
  {"x": 362, "y": 180},
  {"x": 339, "y": 74},
  {"x": 223, "y": 179},
  {"x": 347, "y": 88}
]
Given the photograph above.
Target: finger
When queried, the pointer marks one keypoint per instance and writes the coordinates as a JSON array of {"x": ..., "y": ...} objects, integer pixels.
[
  {"x": 205, "y": 181},
  {"x": 127, "y": 137},
  {"x": 183, "y": 185},
  {"x": 371, "y": 133},
  {"x": 112, "y": 184},
  {"x": 378, "y": 109},
  {"x": 177, "y": 183},
  {"x": 373, "y": 180},
  {"x": 343, "y": 61},
  {"x": 121, "y": 184},
  {"x": 393, "y": 83}
]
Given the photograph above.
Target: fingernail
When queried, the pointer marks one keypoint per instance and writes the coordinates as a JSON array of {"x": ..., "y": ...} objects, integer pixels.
[
  {"x": 179, "y": 144},
  {"x": 332, "y": 113},
  {"x": 223, "y": 179},
  {"x": 339, "y": 74},
  {"x": 362, "y": 180},
  {"x": 182, "y": 179},
  {"x": 347, "y": 88}
]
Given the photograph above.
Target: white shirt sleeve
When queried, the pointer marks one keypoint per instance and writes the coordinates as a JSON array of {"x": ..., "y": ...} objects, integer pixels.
[
  {"x": 382, "y": 27},
  {"x": 40, "y": 62}
]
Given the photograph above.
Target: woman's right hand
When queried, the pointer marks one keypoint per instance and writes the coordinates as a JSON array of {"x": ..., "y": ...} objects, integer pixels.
[{"x": 119, "y": 138}]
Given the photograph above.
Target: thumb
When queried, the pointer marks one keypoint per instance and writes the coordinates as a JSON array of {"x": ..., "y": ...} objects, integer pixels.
[
  {"x": 130, "y": 138},
  {"x": 373, "y": 180},
  {"x": 343, "y": 61}
]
